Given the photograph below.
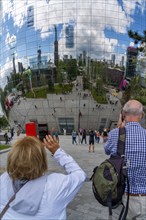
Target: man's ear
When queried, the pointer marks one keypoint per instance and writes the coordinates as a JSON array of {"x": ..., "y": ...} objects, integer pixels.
[
  {"x": 142, "y": 115},
  {"x": 123, "y": 115}
]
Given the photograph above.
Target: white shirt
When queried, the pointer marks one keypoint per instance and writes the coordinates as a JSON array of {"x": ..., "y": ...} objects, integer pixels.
[{"x": 59, "y": 191}]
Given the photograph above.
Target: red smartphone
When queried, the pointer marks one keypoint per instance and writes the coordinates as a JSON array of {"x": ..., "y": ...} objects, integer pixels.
[{"x": 30, "y": 129}]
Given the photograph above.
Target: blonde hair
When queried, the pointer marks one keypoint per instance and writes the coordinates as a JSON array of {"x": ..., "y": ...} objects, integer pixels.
[{"x": 27, "y": 159}]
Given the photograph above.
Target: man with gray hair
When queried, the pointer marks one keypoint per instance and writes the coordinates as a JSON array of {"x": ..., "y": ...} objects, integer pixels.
[{"x": 135, "y": 157}]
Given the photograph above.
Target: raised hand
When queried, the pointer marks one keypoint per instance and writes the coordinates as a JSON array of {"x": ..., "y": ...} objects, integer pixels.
[{"x": 50, "y": 143}]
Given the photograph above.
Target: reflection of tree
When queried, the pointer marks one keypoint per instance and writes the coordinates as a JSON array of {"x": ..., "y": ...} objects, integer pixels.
[
  {"x": 99, "y": 87},
  {"x": 3, "y": 94},
  {"x": 60, "y": 71},
  {"x": 85, "y": 82},
  {"x": 138, "y": 38},
  {"x": 71, "y": 68},
  {"x": 134, "y": 91},
  {"x": 13, "y": 81},
  {"x": 3, "y": 122},
  {"x": 100, "y": 70},
  {"x": 29, "y": 73}
]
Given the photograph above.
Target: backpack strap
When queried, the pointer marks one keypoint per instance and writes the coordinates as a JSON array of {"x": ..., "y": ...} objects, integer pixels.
[
  {"x": 121, "y": 152},
  {"x": 121, "y": 142}
]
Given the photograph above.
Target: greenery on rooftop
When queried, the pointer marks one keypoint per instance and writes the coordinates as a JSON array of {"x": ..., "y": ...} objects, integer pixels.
[
  {"x": 3, "y": 122},
  {"x": 56, "y": 89},
  {"x": 139, "y": 39},
  {"x": 135, "y": 91},
  {"x": 3, "y": 147}
]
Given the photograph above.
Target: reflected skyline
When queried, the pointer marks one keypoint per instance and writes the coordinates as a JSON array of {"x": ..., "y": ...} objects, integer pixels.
[
  {"x": 97, "y": 28},
  {"x": 76, "y": 48}
]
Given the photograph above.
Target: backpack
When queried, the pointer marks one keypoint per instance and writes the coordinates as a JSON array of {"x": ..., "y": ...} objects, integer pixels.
[{"x": 109, "y": 179}]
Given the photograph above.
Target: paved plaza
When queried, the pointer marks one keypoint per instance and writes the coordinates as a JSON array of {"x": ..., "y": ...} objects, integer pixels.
[{"x": 84, "y": 206}]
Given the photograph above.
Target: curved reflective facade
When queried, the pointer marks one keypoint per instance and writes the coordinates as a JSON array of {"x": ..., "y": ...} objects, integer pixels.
[{"x": 45, "y": 42}]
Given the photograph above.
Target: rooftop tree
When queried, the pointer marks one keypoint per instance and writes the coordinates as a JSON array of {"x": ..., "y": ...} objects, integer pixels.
[{"x": 139, "y": 39}]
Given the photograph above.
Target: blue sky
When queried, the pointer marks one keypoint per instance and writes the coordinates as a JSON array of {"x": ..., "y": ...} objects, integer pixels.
[{"x": 100, "y": 28}]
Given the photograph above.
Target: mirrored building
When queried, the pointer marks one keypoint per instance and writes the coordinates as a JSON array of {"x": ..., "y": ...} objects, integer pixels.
[{"x": 54, "y": 53}]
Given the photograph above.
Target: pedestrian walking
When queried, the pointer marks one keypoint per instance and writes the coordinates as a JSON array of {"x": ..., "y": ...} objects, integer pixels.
[
  {"x": 64, "y": 131},
  {"x": 74, "y": 136},
  {"x": 84, "y": 136},
  {"x": 79, "y": 137},
  {"x": 105, "y": 135},
  {"x": 12, "y": 132},
  {"x": 97, "y": 136},
  {"x": 91, "y": 140},
  {"x": 6, "y": 138}
]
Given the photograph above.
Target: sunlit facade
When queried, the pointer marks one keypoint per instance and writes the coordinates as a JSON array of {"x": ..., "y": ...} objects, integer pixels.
[{"x": 44, "y": 35}]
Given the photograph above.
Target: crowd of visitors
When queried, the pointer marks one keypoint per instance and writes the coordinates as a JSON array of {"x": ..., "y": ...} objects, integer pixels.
[{"x": 93, "y": 137}]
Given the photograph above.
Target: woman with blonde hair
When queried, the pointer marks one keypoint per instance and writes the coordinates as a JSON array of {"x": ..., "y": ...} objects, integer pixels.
[{"x": 38, "y": 195}]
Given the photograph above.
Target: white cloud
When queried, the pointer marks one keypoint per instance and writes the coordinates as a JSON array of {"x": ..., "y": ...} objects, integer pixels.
[
  {"x": 130, "y": 6},
  {"x": 91, "y": 18},
  {"x": 131, "y": 44}
]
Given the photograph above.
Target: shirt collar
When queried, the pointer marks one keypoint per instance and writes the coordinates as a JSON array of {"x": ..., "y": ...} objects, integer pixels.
[{"x": 132, "y": 123}]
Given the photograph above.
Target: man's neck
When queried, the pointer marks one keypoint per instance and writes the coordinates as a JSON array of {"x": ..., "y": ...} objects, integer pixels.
[{"x": 132, "y": 119}]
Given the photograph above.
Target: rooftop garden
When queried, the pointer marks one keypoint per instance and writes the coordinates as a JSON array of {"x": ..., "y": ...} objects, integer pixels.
[{"x": 43, "y": 91}]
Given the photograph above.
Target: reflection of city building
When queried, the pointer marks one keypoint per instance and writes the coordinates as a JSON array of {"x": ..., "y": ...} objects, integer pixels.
[
  {"x": 84, "y": 57},
  {"x": 113, "y": 58},
  {"x": 30, "y": 16},
  {"x": 56, "y": 47},
  {"x": 33, "y": 62},
  {"x": 122, "y": 61},
  {"x": 14, "y": 67},
  {"x": 131, "y": 61},
  {"x": 65, "y": 58},
  {"x": 69, "y": 31},
  {"x": 114, "y": 75},
  {"x": 20, "y": 67}
]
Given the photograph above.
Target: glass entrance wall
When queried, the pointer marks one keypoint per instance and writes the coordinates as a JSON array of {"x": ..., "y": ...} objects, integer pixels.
[{"x": 53, "y": 41}]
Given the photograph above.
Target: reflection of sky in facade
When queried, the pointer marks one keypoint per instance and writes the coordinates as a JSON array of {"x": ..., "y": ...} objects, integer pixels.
[{"x": 100, "y": 28}]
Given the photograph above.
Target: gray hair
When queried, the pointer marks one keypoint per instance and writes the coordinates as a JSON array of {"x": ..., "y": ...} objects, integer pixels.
[{"x": 133, "y": 107}]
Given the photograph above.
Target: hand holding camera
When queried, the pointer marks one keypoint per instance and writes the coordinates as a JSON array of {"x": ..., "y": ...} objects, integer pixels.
[{"x": 121, "y": 122}]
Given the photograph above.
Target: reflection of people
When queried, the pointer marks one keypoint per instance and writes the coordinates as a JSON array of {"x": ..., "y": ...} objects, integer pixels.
[
  {"x": 135, "y": 156},
  {"x": 19, "y": 129},
  {"x": 12, "y": 132},
  {"x": 74, "y": 135},
  {"x": 83, "y": 136},
  {"x": 43, "y": 196},
  {"x": 79, "y": 137},
  {"x": 64, "y": 131},
  {"x": 91, "y": 140},
  {"x": 105, "y": 135},
  {"x": 97, "y": 136},
  {"x": 6, "y": 138}
]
